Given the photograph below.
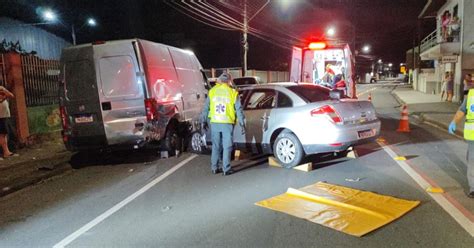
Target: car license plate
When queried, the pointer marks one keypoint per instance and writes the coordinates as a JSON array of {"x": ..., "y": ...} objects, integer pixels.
[
  {"x": 366, "y": 134},
  {"x": 84, "y": 119}
]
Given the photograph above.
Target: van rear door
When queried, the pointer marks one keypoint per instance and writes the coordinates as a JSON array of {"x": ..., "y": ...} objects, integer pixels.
[
  {"x": 121, "y": 92},
  {"x": 80, "y": 99}
]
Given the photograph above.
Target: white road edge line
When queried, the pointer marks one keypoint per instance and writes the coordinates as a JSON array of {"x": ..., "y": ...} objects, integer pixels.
[
  {"x": 439, "y": 198},
  {"x": 120, "y": 205}
]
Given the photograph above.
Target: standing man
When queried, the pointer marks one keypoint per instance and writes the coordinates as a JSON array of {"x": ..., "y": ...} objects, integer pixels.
[
  {"x": 221, "y": 108},
  {"x": 4, "y": 116},
  {"x": 467, "y": 109}
]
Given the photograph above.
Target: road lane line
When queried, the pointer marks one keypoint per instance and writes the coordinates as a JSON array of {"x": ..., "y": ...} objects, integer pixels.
[
  {"x": 366, "y": 91},
  {"x": 120, "y": 205},
  {"x": 441, "y": 199}
]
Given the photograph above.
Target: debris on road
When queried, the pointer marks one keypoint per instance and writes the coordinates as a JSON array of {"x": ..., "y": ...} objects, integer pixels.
[
  {"x": 400, "y": 158},
  {"x": 356, "y": 212},
  {"x": 165, "y": 208},
  {"x": 164, "y": 154},
  {"x": 436, "y": 190},
  {"x": 353, "y": 180}
]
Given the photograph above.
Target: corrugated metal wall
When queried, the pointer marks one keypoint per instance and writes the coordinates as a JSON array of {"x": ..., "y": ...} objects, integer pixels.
[{"x": 47, "y": 45}]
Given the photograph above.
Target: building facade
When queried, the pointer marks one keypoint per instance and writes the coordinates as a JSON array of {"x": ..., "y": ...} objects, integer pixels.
[
  {"x": 32, "y": 38},
  {"x": 448, "y": 49}
]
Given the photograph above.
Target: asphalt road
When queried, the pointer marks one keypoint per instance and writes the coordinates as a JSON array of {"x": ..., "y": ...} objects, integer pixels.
[{"x": 184, "y": 205}]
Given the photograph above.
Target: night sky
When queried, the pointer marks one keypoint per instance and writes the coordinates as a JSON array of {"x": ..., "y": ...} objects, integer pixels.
[{"x": 387, "y": 25}]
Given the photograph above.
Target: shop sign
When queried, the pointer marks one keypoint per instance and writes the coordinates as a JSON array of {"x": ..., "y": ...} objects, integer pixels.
[{"x": 449, "y": 59}]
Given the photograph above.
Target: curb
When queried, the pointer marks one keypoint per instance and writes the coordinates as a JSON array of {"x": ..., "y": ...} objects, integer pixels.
[
  {"x": 424, "y": 119},
  {"x": 35, "y": 162},
  {"x": 37, "y": 171}
]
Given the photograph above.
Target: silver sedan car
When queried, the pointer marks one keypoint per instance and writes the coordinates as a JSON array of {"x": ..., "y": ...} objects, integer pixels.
[{"x": 295, "y": 120}]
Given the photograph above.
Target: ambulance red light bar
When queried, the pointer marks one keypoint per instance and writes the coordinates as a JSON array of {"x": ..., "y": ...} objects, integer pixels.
[{"x": 317, "y": 45}]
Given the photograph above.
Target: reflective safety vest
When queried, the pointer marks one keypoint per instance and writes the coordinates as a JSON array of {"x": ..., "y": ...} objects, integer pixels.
[
  {"x": 469, "y": 124},
  {"x": 222, "y": 100}
]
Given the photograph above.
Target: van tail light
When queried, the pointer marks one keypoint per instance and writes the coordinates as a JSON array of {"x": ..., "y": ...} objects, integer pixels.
[
  {"x": 150, "y": 107},
  {"x": 328, "y": 111},
  {"x": 64, "y": 119}
]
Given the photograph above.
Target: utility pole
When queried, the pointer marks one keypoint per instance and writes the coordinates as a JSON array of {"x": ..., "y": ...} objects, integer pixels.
[
  {"x": 245, "y": 43},
  {"x": 73, "y": 34}
]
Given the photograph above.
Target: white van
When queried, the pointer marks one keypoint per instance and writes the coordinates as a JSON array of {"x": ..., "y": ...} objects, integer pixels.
[{"x": 128, "y": 93}]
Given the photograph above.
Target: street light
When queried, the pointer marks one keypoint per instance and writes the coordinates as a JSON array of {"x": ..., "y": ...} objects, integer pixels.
[
  {"x": 366, "y": 49},
  {"x": 331, "y": 31},
  {"x": 91, "y": 22},
  {"x": 49, "y": 15},
  {"x": 390, "y": 64}
]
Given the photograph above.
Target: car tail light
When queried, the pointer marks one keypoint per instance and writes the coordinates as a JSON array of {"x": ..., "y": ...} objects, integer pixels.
[
  {"x": 64, "y": 121},
  {"x": 329, "y": 111},
  {"x": 98, "y": 42},
  {"x": 150, "y": 109}
]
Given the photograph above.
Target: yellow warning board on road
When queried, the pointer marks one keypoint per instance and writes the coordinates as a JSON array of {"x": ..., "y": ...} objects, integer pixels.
[{"x": 351, "y": 211}]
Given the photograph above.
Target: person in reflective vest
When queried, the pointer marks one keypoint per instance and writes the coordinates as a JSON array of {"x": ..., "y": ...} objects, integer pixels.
[
  {"x": 467, "y": 109},
  {"x": 222, "y": 108}
]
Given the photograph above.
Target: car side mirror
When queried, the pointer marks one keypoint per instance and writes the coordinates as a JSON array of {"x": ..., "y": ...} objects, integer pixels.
[{"x": 336, "y": 94}]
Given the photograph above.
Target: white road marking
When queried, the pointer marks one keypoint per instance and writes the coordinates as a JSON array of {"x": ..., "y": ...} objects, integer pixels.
[
  {"x": 462, "y": 220},
  {"x": 120, "y": 205},
  {"x": 366, "y": 91}
]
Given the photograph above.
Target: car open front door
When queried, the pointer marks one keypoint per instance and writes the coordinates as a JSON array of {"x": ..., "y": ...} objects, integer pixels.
[{"x": 257, "y": 109}]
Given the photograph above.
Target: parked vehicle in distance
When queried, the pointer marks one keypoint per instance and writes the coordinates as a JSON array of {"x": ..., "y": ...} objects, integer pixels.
[
  {"x": 294, "y": 120},
  {"x": 128, "y": 93},
  {"x": 246, "y": 81}
]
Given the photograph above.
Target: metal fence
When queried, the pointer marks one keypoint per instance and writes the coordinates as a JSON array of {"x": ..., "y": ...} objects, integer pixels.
[{"x": 41, "y": 86}]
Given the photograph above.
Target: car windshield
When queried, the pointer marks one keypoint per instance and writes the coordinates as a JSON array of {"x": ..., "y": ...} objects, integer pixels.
[
  {"x": 311, "y": 93},
  {"x": 244, "y": 81}
]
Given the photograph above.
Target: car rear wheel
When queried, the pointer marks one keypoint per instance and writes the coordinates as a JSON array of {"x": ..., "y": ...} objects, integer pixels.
[{"x": 288, "y": 150}]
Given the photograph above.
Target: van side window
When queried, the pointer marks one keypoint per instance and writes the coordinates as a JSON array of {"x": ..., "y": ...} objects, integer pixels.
[{"x": 118, "y": 78}]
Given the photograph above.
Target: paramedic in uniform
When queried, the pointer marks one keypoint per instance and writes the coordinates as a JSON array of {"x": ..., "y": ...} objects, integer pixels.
[
  {"x": 467, "y": 109},
  {"x": 222, "y": 108}
]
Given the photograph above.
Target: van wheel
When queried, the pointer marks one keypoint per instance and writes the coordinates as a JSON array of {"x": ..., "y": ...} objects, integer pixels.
[
  {"x": 172, "y": 141},
  {"x": 288, "y": 150}
]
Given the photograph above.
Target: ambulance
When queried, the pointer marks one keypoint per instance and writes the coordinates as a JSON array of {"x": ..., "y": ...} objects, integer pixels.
[{"x": 330, "y": 66}]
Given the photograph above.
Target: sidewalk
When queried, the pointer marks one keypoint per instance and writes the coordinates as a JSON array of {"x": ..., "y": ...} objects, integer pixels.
[
  {"x": 429, "y": 108},
  {"x": 36, "y": 163}
]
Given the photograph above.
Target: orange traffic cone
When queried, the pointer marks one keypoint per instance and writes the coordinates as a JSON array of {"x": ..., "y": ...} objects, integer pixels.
[
  {"x": 404, "y": 124},
  {"x": 370, "y": 97}
]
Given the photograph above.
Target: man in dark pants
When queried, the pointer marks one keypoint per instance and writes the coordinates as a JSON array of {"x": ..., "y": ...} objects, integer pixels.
[{"x": 221, "y": 108}]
